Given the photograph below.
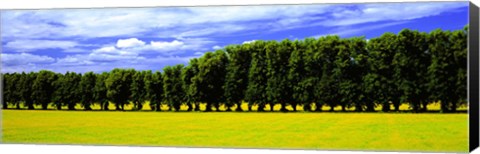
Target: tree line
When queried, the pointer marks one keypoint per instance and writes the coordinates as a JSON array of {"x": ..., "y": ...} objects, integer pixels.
[{"x": 411, "y": 67}]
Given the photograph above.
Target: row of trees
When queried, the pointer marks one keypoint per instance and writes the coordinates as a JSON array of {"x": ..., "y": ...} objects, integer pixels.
[{"x": 410, "y": 67}]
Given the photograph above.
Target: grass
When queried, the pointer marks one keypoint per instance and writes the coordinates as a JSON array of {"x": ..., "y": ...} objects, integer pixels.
[{"x": 341, "y": 131}]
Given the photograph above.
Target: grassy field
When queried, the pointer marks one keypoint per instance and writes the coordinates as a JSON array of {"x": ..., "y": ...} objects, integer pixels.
[{"x": 347, "y": 131}]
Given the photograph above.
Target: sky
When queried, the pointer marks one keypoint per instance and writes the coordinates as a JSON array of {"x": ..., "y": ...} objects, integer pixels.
[{"x": 83, "y": 40}]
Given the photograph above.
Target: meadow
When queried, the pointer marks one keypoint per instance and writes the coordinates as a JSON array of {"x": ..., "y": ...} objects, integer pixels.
[{"x": 299, "y": 130}]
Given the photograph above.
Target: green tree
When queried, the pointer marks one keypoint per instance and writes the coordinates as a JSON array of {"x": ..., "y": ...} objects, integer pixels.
[
  {"x": 172, "y": 86},
  {"x": 11, "y": 93},
  {"x": 187, "y": 75},
  {"x": 412, "y": 61},
  {"x": 118, "y": 87},
  {"x": 443, "y": 69},
  {"x": 154, "y": 88},
  {"x": 278, "y": 85},
  {"x": 327, "y": 88},
  {"x": 100, "y": 91},
  {"x": 67, "y": 90},
  {"x": 236, "y": 81},
  {"x": 43, "y": 88},
  {"x": 210, "y": 79},
  {"x": 138, "y": 90},
  {"x": 26, "y": 90},
  {"x": 256, "y": 93},
  {"x": 87, "y": 88},
  {"x": 459, "y": 48}
]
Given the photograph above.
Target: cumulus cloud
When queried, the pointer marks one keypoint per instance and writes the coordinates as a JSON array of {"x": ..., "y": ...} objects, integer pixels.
[
  {"x": 216, "y": 47},
  {"x": 131, "y": 42},
  {"x": 248, "y": 42},
  {"x": 163, "y": 45}
]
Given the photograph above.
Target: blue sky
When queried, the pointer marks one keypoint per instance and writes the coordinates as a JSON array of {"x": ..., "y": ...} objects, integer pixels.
[{"x": 83, "y": 40}]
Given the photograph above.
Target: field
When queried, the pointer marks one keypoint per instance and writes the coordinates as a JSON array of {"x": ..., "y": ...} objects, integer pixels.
[{"x": 347, "y": 131}]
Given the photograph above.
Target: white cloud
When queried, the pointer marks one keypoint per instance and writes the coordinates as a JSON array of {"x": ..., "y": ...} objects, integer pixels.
[
  {"x": 248, "y": 42},
  {"x": 131, "y": 42},
  {"x": 28, "y": 45},
  {"x": 24, "y": 58},
  {"x": 216, "y": 47},
  {"x": 175, "y": 44}
]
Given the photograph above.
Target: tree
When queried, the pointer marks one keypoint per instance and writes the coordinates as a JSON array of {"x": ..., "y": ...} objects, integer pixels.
[
  {"x": 412, "y": 61},
  {"x": 236, "y": 80},
  {"x": 257, "y": 77},
  {"x": 357, "y": 71},
  {"x": 43, "y": 88},
  {"x": 300, "y": 74},
  {"x": 172, "y": 86},
  {"x": 155, "y": 93},
  {"x": 26, "y": 90},
  {"x": 118, "y": 87},
  {"x": 5, "y": 91},
  {"x": 67, "y": 90},
  {"x": 327, "y": 86},
  {"x": 187, "y": 75},
  {"x": 100, "y": 91},
  {"x": 138, "y": 91},
  {"x": 459, "y": 48},
  {"x": 443, "y": 69},
  {"x": 382, "y": 87},
  {"x": 87, "y": 88},
  {"x": 11, "y": 93},
  {"x": 210, "y": 79},
  {"x": 278, "y": 85}
]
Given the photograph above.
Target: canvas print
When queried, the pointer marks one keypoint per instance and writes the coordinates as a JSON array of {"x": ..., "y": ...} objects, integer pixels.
[{"x": 360, "y": 76}]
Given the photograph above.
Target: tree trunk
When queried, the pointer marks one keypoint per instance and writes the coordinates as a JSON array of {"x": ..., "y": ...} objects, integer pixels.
[
  {"x": 397, "y": 106},
  {"x": 261, "y": 107},
  {"x": 158, "y": 106},
  {"x": 370, "y": 107},
  {"x": 71, "y": 106},
  {"x": 217, "y": 106},
  {"x": 18, "y": 105},
  {"x": 117, "y": 106},
  {"x": 105, "y": 105},
  {"x": 44, "y": 106},
  {"x": 87, "y": 106},
  {"x": 239, "y": 107},
  {"x": 4, "y": 105},
  {"x": 30, "y": 105},
  {"x": 249, "y": 107},
  {"x": 344, "y": 108},
  {"x": 197, "y": 107},
  {"x": 123, "y": 106},
  {"x": 424, "y": 106},
  {"x": 272, "y": 105},
  {"x": 332, "y": 108},
  {"x": 385, "y": 107},
  {"x": 208, "y": 107},
  {"x": 307, "y": 107},
  {"x": 358, "y": 107},
  {"x": 140, "y": 106},
  {"x": 59, "y": 107},
  {"x": 454, "y": 106},
  {"x": 283, "y": 107},
  {"x": 318, "y": 107},
  {"x": 190, "y": 107}
]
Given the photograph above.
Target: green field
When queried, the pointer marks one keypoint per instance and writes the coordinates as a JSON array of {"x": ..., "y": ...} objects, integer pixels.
[{"x": 347, "y": 131}]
